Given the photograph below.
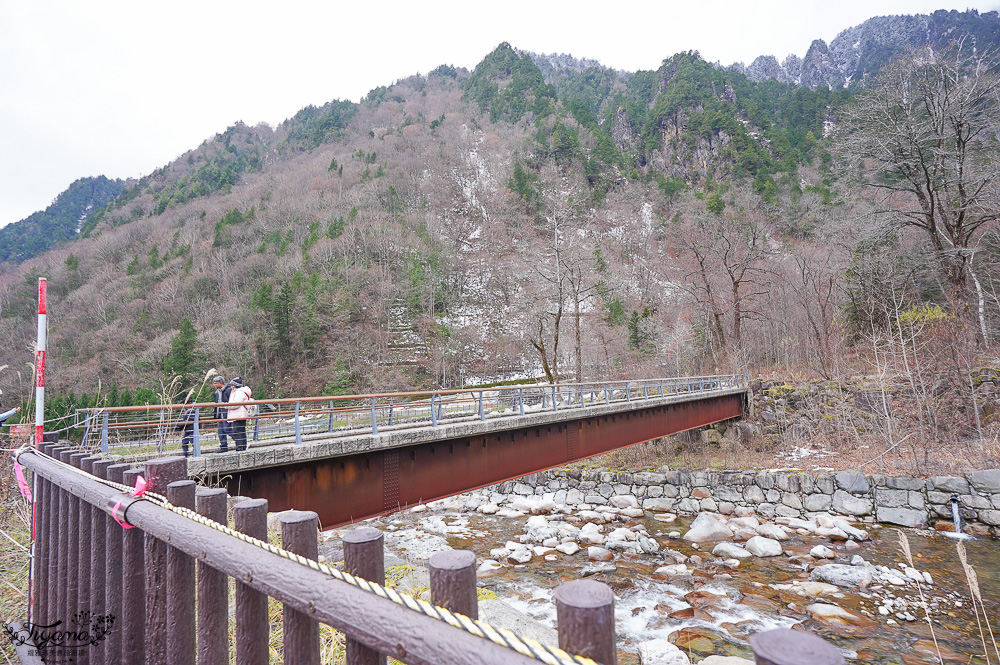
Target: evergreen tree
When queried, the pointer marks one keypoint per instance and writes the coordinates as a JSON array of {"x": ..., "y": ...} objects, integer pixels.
[{"x": 182, "y": 359}]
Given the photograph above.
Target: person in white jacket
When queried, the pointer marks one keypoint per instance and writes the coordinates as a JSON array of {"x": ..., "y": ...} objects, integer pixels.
[{"x": 238, "y": 412}]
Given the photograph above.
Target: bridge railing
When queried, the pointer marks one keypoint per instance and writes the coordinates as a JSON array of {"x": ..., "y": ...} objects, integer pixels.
[
  {"x": 135, "y": 576},
  {"x": 121, "y": 578},
  {"x": 143, "y": 432}
]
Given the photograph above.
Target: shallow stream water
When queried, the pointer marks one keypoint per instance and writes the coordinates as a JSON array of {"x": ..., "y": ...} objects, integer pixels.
[{"x": 729, "y": 605}]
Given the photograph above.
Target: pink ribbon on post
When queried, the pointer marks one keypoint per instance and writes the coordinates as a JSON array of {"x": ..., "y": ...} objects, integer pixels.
[
  {"x": 22, "y": 484},
  {"x": 140, "y": 489}
]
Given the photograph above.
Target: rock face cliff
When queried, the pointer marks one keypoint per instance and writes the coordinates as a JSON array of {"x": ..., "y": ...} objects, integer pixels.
[
  {"x": 819, "y": 67},
  {"x": 859, "y": 52},
  {"x": 765, "y": 67}
]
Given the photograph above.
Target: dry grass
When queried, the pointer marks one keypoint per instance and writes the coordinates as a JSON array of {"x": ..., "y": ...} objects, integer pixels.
[
  {"x": 977, "y": 604},
  {"x": 15, "y": 537}
]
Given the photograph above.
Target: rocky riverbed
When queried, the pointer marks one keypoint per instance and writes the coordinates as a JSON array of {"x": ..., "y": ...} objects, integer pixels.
[{"x": 689, "y": 588}]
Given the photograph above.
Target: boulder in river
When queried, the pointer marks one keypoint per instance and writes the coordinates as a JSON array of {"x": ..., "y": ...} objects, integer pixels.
[
  {"x": 772, "y": 531},
  {"x": 842, "y": 575},
  {"x": 622, "y": 533},
  {"x": 691, "y": 613},
  {"x": 730, "y": 551},
  {"x": 672, "y": 570},
  {"x": 597, "y": 568},
  {"x": 741, "y": 534},
  {"x": 745, "y": 522},
  {"x": 661, "y": 652},
  {"x": 815, "y": 589},
  {"x": 599, "y": 554},
  {"x": 543, "y": 506},
  {"x": 761, "y": 546},
  {"x": 488, "y": 566},
  {"x": 522, "y": 555},
  {"x": 839, "y": 618},
  {"x": 648, "y": 545},
  {"x": 832, "y": 532},
  {"x": 568, "y": 548},
  {"x": 706, "y": 528}
]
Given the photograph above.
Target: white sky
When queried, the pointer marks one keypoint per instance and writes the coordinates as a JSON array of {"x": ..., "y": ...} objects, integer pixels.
[{"x": 121, "y": 88}]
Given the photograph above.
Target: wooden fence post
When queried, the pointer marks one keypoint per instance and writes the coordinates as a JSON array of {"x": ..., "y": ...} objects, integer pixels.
[
  {"x": 364, "y": 556},
  {"x": 115, "y": 536},
  {"x": 300, "y": 534},
  {"x": 72, "y": 599},
  {"x": 86, "y": 464},
  {"x": 180, "y": 587},
  {"x": 133, "y": 631},
  {"x": 44, "y": 550},
  {"x": 213, "y": 590},
  {"x": 159, "y": 473},
  {"x": 98, "y": 565},
  {"x": 453, "y": 582},
  {"x": 252, "y": 625},
  {"x": 793, "y": 647},
  {"x": 61, "y": 603},
  {"x": 585, "y": 613}
]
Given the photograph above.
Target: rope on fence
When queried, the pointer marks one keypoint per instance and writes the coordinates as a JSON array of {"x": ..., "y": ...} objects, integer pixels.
[{"x": 524, "y": 646}]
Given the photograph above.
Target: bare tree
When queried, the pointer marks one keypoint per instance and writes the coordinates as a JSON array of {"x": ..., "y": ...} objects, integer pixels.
[
  {"x": 925, "y": 136},
  {"x": 725, "y": 269}
]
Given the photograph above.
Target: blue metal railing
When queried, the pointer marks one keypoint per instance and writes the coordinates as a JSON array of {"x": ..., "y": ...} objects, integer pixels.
[{"x": 150, "y": 429}]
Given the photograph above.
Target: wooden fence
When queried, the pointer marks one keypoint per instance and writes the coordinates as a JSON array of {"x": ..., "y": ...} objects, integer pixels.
[{"x": 130, "y": 579}]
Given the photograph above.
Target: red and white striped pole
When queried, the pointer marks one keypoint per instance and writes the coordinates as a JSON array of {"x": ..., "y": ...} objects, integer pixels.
[
  {"x": 40, "y": 366},
  {"x": 39, "y": 437}
]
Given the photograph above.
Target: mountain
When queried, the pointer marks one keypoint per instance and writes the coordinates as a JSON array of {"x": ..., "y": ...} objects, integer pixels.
[
  {"x": 858, "y": 53},
  {"x": 521, "y": 220},
  {"x": 850, "y": 59},
  {"x": 59, "y": 222}
]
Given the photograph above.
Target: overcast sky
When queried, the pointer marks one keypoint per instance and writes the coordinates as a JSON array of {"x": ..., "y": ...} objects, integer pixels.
[{"x": 121, "y": 88}]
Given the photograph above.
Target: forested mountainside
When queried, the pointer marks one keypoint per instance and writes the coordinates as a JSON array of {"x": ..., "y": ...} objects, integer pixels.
[
  {"x": 465, "y": 227},
  {"x": 60, "y": 221},
  {"x": 858, "y": 53}
]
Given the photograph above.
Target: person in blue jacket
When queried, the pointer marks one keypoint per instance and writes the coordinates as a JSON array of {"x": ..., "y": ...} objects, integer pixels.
[
  {"x": 186, "y": 426},
  {"x": 7, "y": 414},
  {"x": 222, "y": 390}
]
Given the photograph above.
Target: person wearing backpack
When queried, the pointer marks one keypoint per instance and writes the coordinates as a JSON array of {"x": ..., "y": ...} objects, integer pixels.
[
  {"x": 222, "y": 392},
  {"x": 186, "y": 426},
  {"x": 238, "y": 412}
]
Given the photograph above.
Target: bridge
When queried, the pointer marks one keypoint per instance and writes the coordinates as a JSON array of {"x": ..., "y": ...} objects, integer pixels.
[{"x": 353, "y": 457}]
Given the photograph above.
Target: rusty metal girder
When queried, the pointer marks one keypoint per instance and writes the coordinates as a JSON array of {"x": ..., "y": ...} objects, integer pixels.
[{"x": 354, "y": 487}]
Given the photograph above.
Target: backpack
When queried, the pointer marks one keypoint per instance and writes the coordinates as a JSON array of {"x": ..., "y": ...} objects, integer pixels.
[{"x": 251, "y": 406}]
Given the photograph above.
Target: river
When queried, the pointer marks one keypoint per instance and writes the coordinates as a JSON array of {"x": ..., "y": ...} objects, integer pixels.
[{"x": 714, "y": 609}]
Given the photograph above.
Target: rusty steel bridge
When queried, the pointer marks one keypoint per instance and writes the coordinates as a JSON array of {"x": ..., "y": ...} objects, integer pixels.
[{"x": 353, "y": 457}]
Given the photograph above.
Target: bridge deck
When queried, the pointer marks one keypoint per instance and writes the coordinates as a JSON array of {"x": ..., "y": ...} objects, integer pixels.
[{"x": 349, "y": 478}]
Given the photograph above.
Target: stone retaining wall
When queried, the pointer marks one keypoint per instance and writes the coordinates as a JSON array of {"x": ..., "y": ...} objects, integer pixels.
[{"x": 900, "y": 500}]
